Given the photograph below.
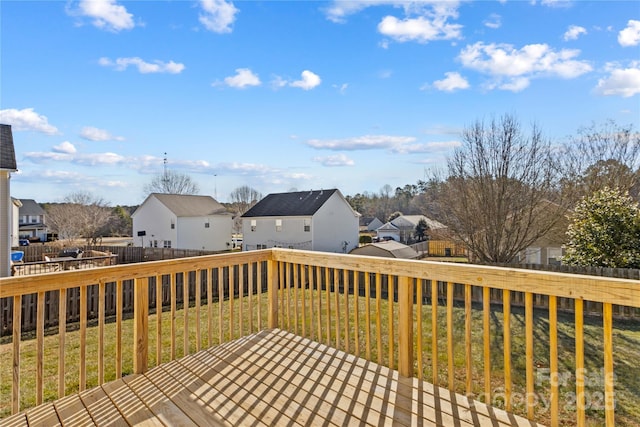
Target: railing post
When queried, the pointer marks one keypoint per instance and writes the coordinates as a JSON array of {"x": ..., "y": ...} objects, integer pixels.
[
  {"x": 405, "y": 322},
  {"x": 141, "y": 324},
  {"x": 272, "y": 293}
]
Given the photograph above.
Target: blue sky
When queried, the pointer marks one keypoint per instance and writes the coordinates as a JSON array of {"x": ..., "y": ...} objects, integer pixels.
[{"x": 282, "y": 95}]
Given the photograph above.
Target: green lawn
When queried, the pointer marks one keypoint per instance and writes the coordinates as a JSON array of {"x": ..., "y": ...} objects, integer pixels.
[{"x": 626, "y": 354}]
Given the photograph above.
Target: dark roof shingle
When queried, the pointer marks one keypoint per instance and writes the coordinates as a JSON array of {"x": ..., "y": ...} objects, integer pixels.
[
  {"x": 7, "y": 151},
  {"x": 298, "y": 203}
]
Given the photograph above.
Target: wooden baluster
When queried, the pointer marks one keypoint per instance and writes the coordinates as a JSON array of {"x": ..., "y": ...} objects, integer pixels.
[
  {"x": 83, "y": 339},
  {"x": 158, "y": 319},
  {"x": 174, "y": 298},
  {"x": 101, "y": 316},
  {"x": 390, "y": 300},
  {"x": 579, "y": 333},
  {"x": 528, "y": 304},
  {"x": 434, "y": 332},
  {"x": 241, "y": 298},
  {"x": 553, "y": 359},
  {"x": 15, "y": 340},
  {"x": 450, "y": 371},
  {"x": 405, "y": 320},
  {"x": 198, "y": 302},
  {"x": 62, "y": 331},
  {"x": 467, "y": 338},
  {"x": 486, "y": 313},
  {"x": 419, "y": 285},
  {"x": 356, "y": 313},
  {"x": 609, "y": 397},
  {"x": 40, "y": 348},
  {"x": 141, "y": 325},
  {"x": 506, "y": 332},
  {"x": 185, "y": 313},
  {"x": 379, "y": 317},
  {"x": 119, "y": 304},
  {"x": 367, "y": 313}
]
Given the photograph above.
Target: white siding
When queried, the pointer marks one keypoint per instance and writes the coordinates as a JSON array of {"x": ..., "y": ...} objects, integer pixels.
[
  {"x": 335, "y": 226},
  {"x": 15, "y": 229},
  {"x": 292, "y": 234},
  {"x": 5, "y": 224},
  {"x": 155, "y": 220},
  {"x": 192, "y": 233}
]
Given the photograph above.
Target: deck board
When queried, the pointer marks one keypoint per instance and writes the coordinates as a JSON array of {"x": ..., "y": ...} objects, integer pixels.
[{"x": 268, "y": 378}]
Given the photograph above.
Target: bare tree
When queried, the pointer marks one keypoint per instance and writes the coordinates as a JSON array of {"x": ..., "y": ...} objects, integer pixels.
[
  {"x": 499, "y": 195},
  {"x": 170, "y": 182},
  {"x": 244, "y": 198},
  {"x": 602, "y": 155},
  {"x": 81, "y": 215}
]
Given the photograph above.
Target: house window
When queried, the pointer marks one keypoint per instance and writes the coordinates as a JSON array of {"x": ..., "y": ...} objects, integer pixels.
[
  {"x": 167, "y": 243},
  {"x": 253, "y": 225},
  {"x": 155, "y": 243},
  {"x": 261, "y": 246},
  {"x": 278, "y": 225},
  {"x": 34, "y": 220},
  {"x": 206, "y": 225},
  {"x": 173, "y": 225},
  {"x": 307, "y": 225}
]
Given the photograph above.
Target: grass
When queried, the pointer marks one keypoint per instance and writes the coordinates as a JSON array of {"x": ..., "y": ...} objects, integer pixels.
[{"x": 626, "y": 342}]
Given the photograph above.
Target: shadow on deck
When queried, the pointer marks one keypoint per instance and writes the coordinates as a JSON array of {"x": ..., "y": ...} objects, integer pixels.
[{"x": 269, "y": 378}]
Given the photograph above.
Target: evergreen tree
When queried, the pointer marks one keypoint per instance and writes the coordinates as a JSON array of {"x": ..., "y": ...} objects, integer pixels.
[{"x": 605, "y": 231}]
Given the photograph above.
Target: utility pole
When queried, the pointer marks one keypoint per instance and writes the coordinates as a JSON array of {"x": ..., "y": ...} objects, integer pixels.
[{"x": 165, "y": 177}]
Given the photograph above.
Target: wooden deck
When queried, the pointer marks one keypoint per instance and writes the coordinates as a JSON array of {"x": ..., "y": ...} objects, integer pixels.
[{"x": 268, "y": 378}]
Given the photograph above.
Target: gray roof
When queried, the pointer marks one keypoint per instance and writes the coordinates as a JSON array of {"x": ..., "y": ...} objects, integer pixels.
[
  {"x": 298, "y": 203},
  {"x": 389, "y": 248},
  {"x": 7, "y": 151},
  {"x": 31, "y": 207},
  {"x": 405, "y": 221},
  {"x": 184, "y": 205}
]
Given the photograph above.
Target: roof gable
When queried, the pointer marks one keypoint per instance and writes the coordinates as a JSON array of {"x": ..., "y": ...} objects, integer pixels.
[
  {"x": 30, "y": 207},
  {"x": 299, "y": 203},
  {"x": 184, "y": 205},
  {"x": 7, "y": 151}
]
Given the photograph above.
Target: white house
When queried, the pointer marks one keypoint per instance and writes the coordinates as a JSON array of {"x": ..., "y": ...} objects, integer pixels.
[
  {"x": 182, "y": 222},
  {"x": 320, "y": 220},
  {"x": 402, "y": 229},
  {"x": 7, "y": 166},
  {"x": 15, "y": 228},
  {"x": 32, "y": 220}
]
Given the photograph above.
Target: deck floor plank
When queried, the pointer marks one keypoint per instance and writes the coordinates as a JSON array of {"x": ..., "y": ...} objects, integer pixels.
[
  {"x": 101, "y": 408},
  {"x": 134, "y": 410},
  {"x": 72, "y": 411},
  {"x": 270, "y": 378},
  {"x": 43, "y": 416}
]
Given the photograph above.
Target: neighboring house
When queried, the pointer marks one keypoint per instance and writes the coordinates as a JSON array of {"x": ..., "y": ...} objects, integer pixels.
[
  {"x": 549, "y": 249},
  {"x": 182, "y": 222},
  {"x": 368, "y": 224},
  {"x": 386, "y": 249},
  {"x": 402, "y": 229},
  {"x": 7, "y": 166},
  {"x": 320, "y": 220},
  {"x": 32, "y": 221},
  {"x": 15, "y": 228}
]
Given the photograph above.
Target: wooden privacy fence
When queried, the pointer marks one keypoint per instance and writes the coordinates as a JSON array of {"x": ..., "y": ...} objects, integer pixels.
[
  {"x": 440, "y": 248},
  {"x": 52, "y": 303},
  {"x": 126, "y": 254},
  {"x": 490, "y": 353}
]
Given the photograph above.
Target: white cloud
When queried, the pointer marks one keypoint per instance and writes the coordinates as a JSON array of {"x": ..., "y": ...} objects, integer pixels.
[
  {"x": 243, "y": 78},
  {"x": 27, "y": 119},
  {"x": 66, "y": 148},
  {"x": 366, "y": 142},
  {"x": 309, "y": 81},
  {"x": 494, "y": 21},
  {"x": 107, "y": 14},
  {"x": 218, "y": 15},
  {"x": 337, "y": 160},
  {"x": 452, "y": 82},
  {"x": 573, "y": 32},
  {"x": 513, "y": 68},
  {"x": 121, "y": 64},
  {"x": 94, "y": 134},
  {"x": 340, "y": 9},
  {"x": 341, "y": 88},
  {"x": 420, "y": 29},
  {"x": 623, "y": 82},
  {"x": 557, "y": 3},
  {"x": 630, "y": 36}
]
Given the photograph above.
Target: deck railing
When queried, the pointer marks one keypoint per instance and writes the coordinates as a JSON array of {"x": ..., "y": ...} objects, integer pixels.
[{"x": 399, "y": 313}]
